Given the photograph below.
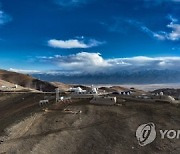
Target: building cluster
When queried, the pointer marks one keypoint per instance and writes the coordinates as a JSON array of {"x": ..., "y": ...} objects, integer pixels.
[
  {"x": 126, "y": 92},
  {"x": 92, "y": 94},
  {"x": 96, "y": 96},
  {"x": 79, "y": 90}
]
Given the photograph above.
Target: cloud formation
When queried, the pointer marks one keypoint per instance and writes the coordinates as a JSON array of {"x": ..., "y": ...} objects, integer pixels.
[
  {"x": 85, "y": 62},
  {"x": 173, "y": 26},
  {"x": 174, "y": 35},
  {"x": 73, "y": 43},
  {"x": 145, "y": 29},
  {"x": 80, "y": 62},
  {"x": 4, "y": 18}
]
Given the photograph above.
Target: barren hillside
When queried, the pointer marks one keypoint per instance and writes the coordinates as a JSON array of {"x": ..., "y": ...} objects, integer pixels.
[
  {"x": 169, "y": 91},
  {"x": 25, "y": 80},
  {"x": 61, "y": 86},
  {"x": 97, "y": 130}
]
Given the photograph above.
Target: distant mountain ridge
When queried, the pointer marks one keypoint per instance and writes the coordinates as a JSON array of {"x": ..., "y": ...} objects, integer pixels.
[{"x": 134, "y": 77}]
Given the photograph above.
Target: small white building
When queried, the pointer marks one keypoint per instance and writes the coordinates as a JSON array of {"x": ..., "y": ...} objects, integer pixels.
[
  {"x": 170, "y": 99},
  {"x": 43, "y": 102},
  {"x": 104, "y": 100},
  {"x": 93, "y": 90},
  {"x": 78, "y": 90},
  {"x": 3, "y": 87},
  {"x": 161, "y": 93}
]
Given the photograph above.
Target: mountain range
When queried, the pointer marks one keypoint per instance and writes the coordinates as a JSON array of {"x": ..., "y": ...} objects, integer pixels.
[{"x": 122, "y": 77}]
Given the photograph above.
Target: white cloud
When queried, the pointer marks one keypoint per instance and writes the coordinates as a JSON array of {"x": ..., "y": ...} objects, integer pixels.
[
  {"x": 4, "y": 18},
  {"x": 122, "y": 25},
  {"x": 85, "y": 62},
  {"x": 174, "y": 35},
  {"x": 139, "y": 25},
  {"x": 73, "y": 43},
  {"x": 150, "y": 62},
  {"x": 23, "y": 71}
]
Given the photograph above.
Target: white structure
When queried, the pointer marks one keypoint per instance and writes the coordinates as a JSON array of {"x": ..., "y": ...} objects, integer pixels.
[
  {"x": 3, "y": 87},
  {"x": 125, "y": 92},
  {"x": 77, "y": 90},
  {"x": 62, "y": 98},
  {"x": 171, "y": 99},
  {"x": 94, "y": 90},
  {"x": 65, "y": 99},
  {"x": 161, "y": 93},
  {"x": 104, "y": 100},
  {"x": 43, "y": 102},
  {"x": 80, "y": 91}
]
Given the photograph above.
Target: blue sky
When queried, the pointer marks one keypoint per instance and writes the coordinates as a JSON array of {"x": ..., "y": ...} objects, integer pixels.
[{"x": 67, "y": 35}]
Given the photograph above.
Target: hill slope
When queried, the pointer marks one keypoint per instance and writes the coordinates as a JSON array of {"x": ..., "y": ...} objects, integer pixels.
[
  {"x": 26, "y": 81},
  {"x": 25, "y": 128}
]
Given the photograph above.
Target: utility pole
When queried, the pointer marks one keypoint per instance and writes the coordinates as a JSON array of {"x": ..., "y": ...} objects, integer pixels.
[{"x": 57, "y": 95}]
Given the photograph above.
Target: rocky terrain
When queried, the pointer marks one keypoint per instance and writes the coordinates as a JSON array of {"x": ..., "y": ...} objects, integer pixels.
[{"x": 27, "y": 128}]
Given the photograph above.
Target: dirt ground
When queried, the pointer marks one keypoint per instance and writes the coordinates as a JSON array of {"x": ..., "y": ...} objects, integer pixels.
[{"x": 26, "y": 128}]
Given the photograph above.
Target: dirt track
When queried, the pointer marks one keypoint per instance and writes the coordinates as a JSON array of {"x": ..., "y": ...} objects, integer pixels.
[{"x": 98, "y": 129}]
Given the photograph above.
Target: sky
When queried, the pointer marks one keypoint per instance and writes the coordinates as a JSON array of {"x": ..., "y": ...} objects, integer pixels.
[{"x": 89, "y": 36}]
